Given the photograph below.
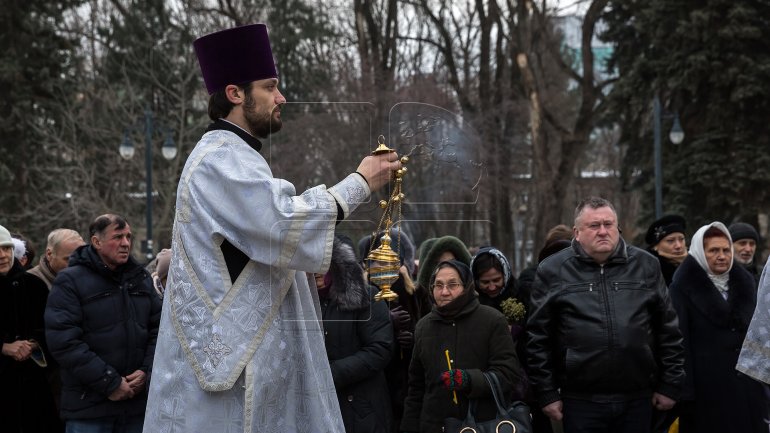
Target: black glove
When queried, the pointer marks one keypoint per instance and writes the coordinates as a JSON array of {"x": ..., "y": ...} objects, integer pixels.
[
  {"x": 405, "y": 339},
  {"x": 400, "y": 319}
]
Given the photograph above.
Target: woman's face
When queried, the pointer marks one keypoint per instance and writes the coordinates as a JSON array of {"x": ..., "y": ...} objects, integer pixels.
[
  {"x": 447, "y": 286},
  {"x": 673, "y": 244},
  {"x": 719, "y": 254},
  {"x": 491, "y": 282}
]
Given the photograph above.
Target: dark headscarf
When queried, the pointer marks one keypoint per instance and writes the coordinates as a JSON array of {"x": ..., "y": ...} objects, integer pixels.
[{"x": 468, "y": 295}]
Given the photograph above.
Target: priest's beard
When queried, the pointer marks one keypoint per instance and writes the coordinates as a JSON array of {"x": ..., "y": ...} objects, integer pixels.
[{"x": 260, "y": 123}]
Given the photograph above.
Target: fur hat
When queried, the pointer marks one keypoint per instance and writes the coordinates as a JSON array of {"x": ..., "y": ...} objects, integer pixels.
[
  {"x": 5, "y": 237},
  {"x": 235, "y": 56},
  {"x": 740, "y": 231},
  {"x": 663, "y": 227},
  {"x": 431, "y": 250}
]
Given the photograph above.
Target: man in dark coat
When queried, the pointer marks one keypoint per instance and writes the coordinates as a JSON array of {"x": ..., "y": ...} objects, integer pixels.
[
  {"x": 26, "y": 402},
  {"x": 102, "y": 323},
  {"x": 604, "y": 345},
  {"x": 359, "y": 339}
]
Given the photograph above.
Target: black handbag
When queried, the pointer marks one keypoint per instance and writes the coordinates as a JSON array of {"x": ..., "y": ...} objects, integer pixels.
[{"x": 513, "y": 419}]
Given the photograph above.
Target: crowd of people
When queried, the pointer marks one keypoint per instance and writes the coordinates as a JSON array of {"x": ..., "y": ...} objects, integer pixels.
[
  {"x": 603, "y": 336},
  {"x": 260, "y": 317}
]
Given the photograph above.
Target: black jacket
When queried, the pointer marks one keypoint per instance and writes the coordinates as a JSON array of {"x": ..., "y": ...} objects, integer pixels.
[
  {"x": 101, "y": 325},
  {"x": 26, "y": 401},
  {"x": 359, "y": 340},
  {"x": 478, "y": 341},
  {"x": 603, "y": 331},
  {"x": 716, "y": 397}
]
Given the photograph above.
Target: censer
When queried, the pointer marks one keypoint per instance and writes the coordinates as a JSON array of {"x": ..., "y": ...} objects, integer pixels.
[{"x": 383, "y": 263}]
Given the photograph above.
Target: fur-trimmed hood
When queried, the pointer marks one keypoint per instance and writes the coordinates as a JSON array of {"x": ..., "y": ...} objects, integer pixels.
[
  {"x": 349, "y": 288},
  {"x": 431, "y": 250}
]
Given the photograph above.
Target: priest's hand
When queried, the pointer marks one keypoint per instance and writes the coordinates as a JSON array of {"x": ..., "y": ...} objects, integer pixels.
[{"x": 378, "y": 169}]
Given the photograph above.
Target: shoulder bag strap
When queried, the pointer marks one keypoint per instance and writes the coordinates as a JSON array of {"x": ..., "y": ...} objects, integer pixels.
[{"x": 497, "y": 392}]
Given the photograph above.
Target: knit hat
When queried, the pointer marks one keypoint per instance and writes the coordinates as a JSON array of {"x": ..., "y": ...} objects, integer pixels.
[
  {"x": 5, "y": 237},
  {"x": 663, "y": 227},
  {"x": 740, "y": 231},
  {"x": 235, "y": 56}
]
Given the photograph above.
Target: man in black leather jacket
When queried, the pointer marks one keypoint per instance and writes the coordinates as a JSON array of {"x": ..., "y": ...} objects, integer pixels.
[{"x": 604, "y": 346}]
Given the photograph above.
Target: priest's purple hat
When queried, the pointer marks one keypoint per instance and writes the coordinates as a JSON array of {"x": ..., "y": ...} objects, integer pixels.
[{"x": 235, "y": 56}]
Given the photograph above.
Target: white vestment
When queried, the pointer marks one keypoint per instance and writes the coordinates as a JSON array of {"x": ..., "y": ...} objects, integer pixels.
[{"x": 246, "y": 356}]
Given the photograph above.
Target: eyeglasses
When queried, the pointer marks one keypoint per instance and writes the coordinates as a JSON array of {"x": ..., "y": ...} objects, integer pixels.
[
  {"x": 608, "y": 225},
  {"x": 450, "y": 285}
]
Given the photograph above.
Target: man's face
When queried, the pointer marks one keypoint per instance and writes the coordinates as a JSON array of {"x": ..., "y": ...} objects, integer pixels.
[
  {"x": 744, "y": 250},
  {"x": 596, "y": 230},
  {"x": 262, "y": 107},
  {"x": 115, "y": 246},
  {"x": 6, "y": 259},
  {"x": 719, "y": 254},
  {"x": 59, "y": 257},
  {"x": 491, "y": 282}
]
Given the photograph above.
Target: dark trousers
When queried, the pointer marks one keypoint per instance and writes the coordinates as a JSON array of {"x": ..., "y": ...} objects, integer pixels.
[{"x": 584, "y": 416}]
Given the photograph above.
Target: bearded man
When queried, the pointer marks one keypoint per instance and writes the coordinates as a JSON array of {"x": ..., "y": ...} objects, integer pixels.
[{"x": 241, "y": 348}]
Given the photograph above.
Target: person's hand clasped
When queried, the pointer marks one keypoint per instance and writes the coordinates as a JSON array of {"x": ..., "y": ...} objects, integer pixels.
[
  {"x": 137, "y": 380},
  {"x": 123, "y": 392},
  {"x": 554, "y": 410},
  {"x": 19, "y": 350},
  {"x": 400, "y": 318},
  {"x": 661, "y": 402},
  {"x": 378, "y": 169}
]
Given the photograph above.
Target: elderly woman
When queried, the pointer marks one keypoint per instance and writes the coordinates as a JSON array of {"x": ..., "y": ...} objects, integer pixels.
[
  {"x": 665, "y": 240},
  {"x": 472, "y": 338},
  {"x": 715, "y": 301}
]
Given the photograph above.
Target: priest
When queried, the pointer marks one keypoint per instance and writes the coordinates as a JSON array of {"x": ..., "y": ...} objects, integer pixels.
[{"x": 240, "y": 347}]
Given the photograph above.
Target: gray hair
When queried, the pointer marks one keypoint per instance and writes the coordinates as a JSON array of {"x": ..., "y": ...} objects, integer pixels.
[
  {"x": 56, "y": 237},
  {"x": 593, "y": 202}
]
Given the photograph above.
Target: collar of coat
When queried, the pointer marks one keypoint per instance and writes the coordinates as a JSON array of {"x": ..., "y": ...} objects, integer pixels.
[
  {"x": 221, "y": 124},
  {"x": 88, "y": 257},
  {"x": 620, "y": 255},
  {"x": 693, "y": 282}
]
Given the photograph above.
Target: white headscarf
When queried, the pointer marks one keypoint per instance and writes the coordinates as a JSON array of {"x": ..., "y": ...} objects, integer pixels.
[{"x": 699, "y": 254}]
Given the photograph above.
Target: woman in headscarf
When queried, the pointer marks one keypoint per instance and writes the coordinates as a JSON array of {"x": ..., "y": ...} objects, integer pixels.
[
  {"x": 492, "y": 277},
  {"x": 665, "y": 240},
  {"x": 455, "y": 344},
  {"x": 715, "y": 301}
]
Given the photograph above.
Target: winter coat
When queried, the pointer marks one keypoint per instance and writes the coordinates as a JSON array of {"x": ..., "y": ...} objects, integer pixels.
[
  {"x": 478, "y": 341},
  {"x": 716, "y": 397},
  {"x": 26, "y": 401},
  {"x": 101, "y": 325},
  {"x": 592, "y": 324},
  {"x": 359, "y": 339}
]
